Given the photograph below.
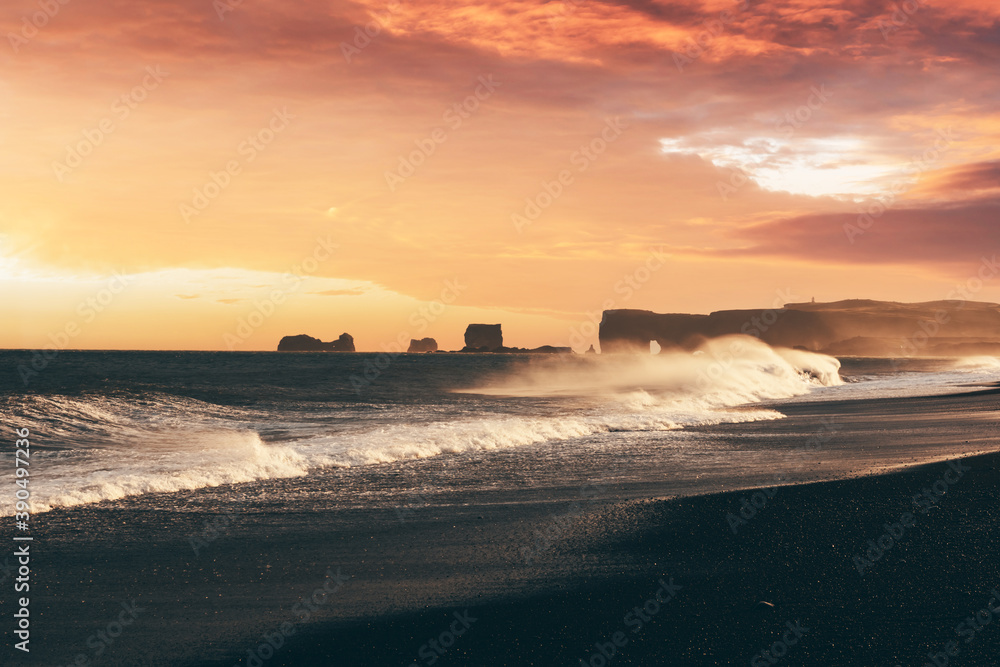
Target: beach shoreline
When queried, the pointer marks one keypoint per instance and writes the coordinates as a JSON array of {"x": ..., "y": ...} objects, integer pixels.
[
  {"x": 384, "y": 584},
  {"x": 803, "y": 561}
]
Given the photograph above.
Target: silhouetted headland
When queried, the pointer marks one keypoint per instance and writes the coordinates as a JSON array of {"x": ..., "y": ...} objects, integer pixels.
[
  {"x": 304, "y": 343},
  {"x": 853, "y": 327}
]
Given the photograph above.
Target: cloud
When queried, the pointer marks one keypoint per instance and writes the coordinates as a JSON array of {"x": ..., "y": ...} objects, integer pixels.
[
  {"x": 566, "y": 67},
  {"x": 943, "y": 234},
  {"x": 357, "y": 291},
  {"x": 812, "y": 166},
  {"x": 972, "y": 178}
]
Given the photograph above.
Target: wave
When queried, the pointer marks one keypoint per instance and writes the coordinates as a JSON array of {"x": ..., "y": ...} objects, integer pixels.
[
  {"x": 726, "y": 371},
  {"x": 90, "y": 448},
  {"x": 185, "y": 462},
  {"x": 621, "y": 393},
  {"x": 95, "y": 448},
  {"x": 483, "y": 433},
  {"x": 980, "y": 363}
]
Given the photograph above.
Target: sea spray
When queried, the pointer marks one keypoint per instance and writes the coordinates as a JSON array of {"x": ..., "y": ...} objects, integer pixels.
[{"x": 721, "y": 372}]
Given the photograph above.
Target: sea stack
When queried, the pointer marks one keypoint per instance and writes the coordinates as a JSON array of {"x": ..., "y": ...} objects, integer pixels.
[
  {"x": 483, "y": 338},
  {"x": 423, "y": 345},
  {"x": 304, "y": 343}
]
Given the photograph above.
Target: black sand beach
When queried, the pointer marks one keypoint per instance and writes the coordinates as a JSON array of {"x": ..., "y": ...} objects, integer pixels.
[{"x": 625, "y": 580}]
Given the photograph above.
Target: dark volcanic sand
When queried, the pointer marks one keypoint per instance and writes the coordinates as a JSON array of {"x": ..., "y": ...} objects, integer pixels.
[
  {"x": 797, "y": 554},
  {"x": 408, "y": 579}
]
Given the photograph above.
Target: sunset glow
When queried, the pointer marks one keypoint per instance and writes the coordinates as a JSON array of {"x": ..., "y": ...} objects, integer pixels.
[{"x": 184, "y": 162}]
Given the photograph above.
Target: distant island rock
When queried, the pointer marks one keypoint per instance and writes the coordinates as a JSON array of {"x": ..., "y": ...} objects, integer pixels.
[
  {"x": 304, "y": 343},
  {"x": 854, "y": 327},
  {"x": 489, "y": 338},
  {"x": 423, "y": 345},
  {"x": 483, "y": 338},
  {"x": 544, "y": 349}
]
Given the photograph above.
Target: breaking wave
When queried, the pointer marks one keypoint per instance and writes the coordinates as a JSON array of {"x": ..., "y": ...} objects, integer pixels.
[{"x": 97, "y": 447}]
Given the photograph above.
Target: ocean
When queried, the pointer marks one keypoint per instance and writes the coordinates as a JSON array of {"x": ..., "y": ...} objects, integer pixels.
[{"x": 277, "y": 432}]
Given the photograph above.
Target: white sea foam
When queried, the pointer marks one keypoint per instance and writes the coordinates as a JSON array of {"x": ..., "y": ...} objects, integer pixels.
[
  {"x": 618, "y": 393},
  {"x": 91, "y": 448},
  {"x": 483, "y": 433},
  {"x": 107, "y": 448},
  {"x": 726, "y": 371},
  {"x": 980, "y": 363},
  {"x": 950, "y": 376},
  {"x": 177, "y": 463}
]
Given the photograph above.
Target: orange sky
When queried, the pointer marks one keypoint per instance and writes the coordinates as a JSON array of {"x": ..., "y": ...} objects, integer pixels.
[{"x": 255, "y": 169}]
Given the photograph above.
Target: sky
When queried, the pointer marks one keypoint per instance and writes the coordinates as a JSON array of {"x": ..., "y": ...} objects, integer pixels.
[{"x": 215, "y": 174}]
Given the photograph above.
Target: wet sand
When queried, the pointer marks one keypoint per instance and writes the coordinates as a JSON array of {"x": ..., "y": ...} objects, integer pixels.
[
  {"x": 793, "y": 563},
  {"x": 623, "y": 581}
]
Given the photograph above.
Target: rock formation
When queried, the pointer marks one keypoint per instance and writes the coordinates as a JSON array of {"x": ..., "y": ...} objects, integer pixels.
[
  {"x": 853, "y": 327},
  {"x": 423, "y": 345},
  {"x": 489, "y": 338},
  {"x": 483, "y": 338},
  {"x": 304, "y": 343}
]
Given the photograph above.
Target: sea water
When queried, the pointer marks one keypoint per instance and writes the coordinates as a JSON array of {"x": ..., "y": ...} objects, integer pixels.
[{"x": 310, "y": 430}]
